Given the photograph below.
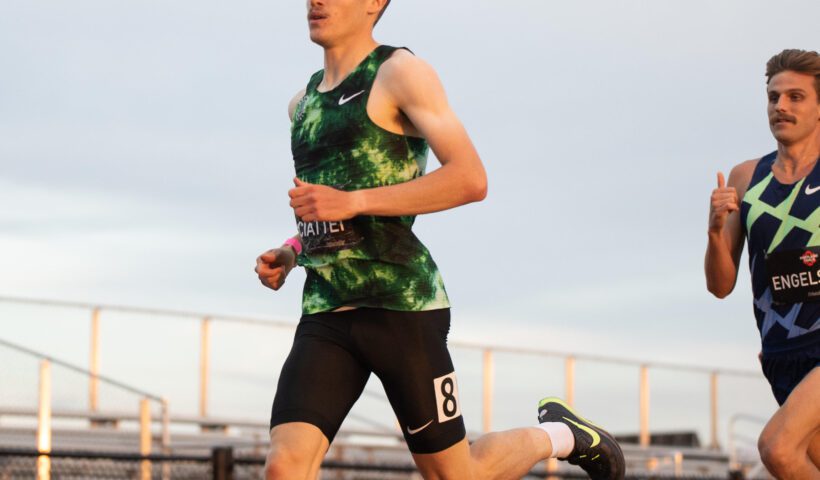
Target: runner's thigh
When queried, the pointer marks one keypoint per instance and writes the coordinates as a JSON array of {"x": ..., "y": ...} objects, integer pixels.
[
  {"x": 408, "y": 352},
  {"x": 322, "y": 377}
]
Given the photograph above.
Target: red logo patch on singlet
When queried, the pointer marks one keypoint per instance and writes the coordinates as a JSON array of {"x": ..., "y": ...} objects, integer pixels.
[{"x": 809, "y": 258}]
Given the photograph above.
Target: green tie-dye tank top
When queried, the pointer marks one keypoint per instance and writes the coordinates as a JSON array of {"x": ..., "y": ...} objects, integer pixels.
[{"x": 367, "y": 261}]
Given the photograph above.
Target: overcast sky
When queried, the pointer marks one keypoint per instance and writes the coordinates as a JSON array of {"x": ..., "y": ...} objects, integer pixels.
[{"x": 144, "y": 160}]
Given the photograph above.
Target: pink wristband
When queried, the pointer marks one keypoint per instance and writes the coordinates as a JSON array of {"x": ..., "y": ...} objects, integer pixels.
[{"x": 293, "y": 242}]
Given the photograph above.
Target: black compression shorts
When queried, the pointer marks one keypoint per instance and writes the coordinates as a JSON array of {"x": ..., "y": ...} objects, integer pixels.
[
  {"x": 334, "y": 353},
  {"x": 785, "y": 370}
]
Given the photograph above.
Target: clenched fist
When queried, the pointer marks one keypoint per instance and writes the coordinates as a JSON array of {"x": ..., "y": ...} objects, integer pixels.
[
  {"x": 724, "y": 201},
  {"x": 321, "y": 203},
  {"x": 274, "y": 265}
]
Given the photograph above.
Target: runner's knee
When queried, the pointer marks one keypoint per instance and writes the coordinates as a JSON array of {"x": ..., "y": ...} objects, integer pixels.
[
  {"x": 777, "y": 452},
  {"x": 284, "y": 462}
]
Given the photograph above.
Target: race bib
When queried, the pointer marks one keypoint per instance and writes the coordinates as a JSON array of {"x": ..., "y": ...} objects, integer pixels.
[
  {"x": 794, "y": 275},
  {"x": 327, "y": 237}
]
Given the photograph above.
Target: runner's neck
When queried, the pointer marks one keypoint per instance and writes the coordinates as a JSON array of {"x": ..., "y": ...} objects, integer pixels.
[
  {"x": 796, "y": 161},
  {"x": 342, "y": 59}
]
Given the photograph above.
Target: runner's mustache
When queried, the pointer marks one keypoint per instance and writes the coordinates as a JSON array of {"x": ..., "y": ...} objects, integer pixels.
[{"x": 787, "y": 118}]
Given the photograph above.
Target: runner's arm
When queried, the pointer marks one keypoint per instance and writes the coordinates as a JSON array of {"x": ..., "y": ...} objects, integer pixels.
[
  {"x": 418, "y": 93},
  {"x": 274, "y": 265},
  {"x": 725, "y": 244},
  {"x": 294, "y": 102}
]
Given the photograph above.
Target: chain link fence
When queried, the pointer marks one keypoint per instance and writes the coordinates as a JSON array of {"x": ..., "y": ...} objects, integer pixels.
[
  {"x": 18, "y": 464},
  {"x": 23, "y": 465}
]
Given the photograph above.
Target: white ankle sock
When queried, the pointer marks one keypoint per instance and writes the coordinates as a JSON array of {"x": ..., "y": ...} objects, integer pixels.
[{"x": 561, "y": 437}]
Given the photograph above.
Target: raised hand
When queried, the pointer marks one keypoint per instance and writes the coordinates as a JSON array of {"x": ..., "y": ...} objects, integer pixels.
[{"x": 724, "y": 201}]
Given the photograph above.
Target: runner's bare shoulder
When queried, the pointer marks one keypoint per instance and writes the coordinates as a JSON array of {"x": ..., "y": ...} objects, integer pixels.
[
  {"x": 404, "y": 73},
  {"x": 741, "y": 176},
  {"x": 294, "y": 102},
  {"x": 401, "y": 56}
]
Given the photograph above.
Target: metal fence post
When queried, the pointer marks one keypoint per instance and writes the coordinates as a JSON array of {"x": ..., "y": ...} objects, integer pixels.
[
  {"x": 644, "y": 406},
  {"x": 166, "y": 430},
  {"x": 488, "y": 390},
  {"x": 166, "y": 438},
  {"x": 145, "y": 438},
  {"x": 222, "y": 463},
  {"x": 94, "y": 360},
  {"x": 551, "y": 465},
  {"x": 678, "y": 462},
  {"x": 713, "y": 401},
  {"x": 569, "y": 380},
  {"x": 44, "y": 423},
  {"x": 204, "y": 357}
]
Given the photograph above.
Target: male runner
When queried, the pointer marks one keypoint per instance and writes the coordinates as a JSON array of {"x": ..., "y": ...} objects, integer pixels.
[
  {"x": 780, "y": 216},
  {"x": 374, "y": 300}
]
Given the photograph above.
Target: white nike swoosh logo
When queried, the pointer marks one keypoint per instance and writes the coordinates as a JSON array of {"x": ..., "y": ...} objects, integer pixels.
[
  {"x": 810, "y": 190},
  {"x": 343, "y": 100},
  {"x": 413, "y": 432}
]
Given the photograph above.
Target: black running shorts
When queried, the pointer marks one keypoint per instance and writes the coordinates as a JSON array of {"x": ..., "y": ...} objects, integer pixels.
[
  {"x": 785, "y": 370},
  {"x": 334, "y": 353}
]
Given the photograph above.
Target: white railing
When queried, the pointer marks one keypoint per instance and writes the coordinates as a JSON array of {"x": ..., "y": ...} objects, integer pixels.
[
  {"x": 44, "y": 410},
  {"x": 488, "y": 351}
]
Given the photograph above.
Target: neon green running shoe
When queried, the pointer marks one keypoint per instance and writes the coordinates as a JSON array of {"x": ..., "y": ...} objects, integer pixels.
[{"x": 596, "y": 451}]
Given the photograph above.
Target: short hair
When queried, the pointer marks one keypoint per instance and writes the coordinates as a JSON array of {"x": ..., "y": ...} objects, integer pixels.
[
  {"x": 381, "y": 13},
  {"x": 800, "y": 61}
]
